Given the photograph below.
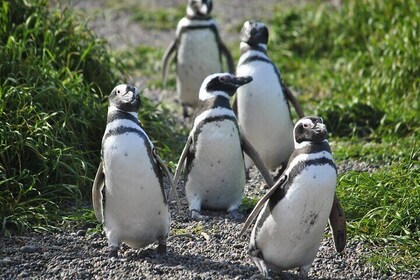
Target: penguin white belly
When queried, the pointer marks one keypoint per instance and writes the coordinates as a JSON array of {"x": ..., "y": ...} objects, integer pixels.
[
  {"x": 217, "y": 177},
  {"x": 291, "y": 235},
  {"x": 198, "y": 56},
  {"x": 264, "y": 115},
  {"x": 135, "y": 212}
]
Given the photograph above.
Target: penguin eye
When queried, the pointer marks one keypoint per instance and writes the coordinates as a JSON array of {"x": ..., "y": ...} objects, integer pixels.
[
  {"x": 305, "y": 125},
  {"x": 224, "y": 78}
]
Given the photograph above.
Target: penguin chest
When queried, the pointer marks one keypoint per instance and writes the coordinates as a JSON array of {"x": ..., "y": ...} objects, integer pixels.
[
  {"x": 135, "y": 210},
  {"x": 291, "y": 235},
  {"x": 217, "y": 175},
  {"x": 197, "y": 57},
  {"x": 264, "y": 115}
]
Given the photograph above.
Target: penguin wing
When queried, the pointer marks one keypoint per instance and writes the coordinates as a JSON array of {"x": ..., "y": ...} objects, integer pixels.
[
  {"x": 224, "y": 50},
  {"x": 97, "y": 198},
  {"x": 168, "y": 174},
  {"x": 259, "y": 163},
  {"x": 229, "y": 59},
  {"x": 293, "y": 100},
  {"x": 167, "y": 57},
  {"x": 235, "y": 105},
  {"x": 181, "y": 162},
  {"x": 260, "y": 204},
  {"x": 338, "y": 225}
]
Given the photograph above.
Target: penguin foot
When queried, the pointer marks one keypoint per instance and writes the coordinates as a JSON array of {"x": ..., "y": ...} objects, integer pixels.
[
  {"x": 303, "y": 271},
  {"x": 262, "y": 267},
  {"x": 247, "y": 177},
  {"x": 195, "y": 215},
  {"x": 162, "y": 248},
  {"x": 113, "y": 252},
  {"x": 185, "y": 113}
]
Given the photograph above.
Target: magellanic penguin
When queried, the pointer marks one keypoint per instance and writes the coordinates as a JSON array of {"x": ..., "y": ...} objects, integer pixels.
[
  {"x": 213, "y": 155},
  {"x": 292, "y": 216},
  {"x": 136, "y": 209},
  {"x": 262, "y": 107},
  {"x": 198, "y": 49}
]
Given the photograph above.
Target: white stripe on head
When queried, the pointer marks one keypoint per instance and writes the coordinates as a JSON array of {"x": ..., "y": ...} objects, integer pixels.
[
  {"x": 204, "y": 94},
  {"x": 303, "y": 143}
]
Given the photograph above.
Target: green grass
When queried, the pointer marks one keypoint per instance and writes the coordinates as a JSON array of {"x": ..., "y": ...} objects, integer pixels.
[
  {"x": 55, "y": 75},
  {"x": 356, "y": 66}
]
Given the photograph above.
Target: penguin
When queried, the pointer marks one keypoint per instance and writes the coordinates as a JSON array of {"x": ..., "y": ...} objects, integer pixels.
[
  {"x": 213, "y": 155},
  {"x": 136, "y": 209},
  {"x": 262, "y": 107},
  {"x": 198, "y": 49},
  {"x": 293, "y": 214}
]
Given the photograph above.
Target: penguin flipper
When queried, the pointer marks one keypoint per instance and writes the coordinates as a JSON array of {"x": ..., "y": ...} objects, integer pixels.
[
  {"x": 169, "y": 175},
  {"x": 337, "y": 223},
  {"x": 294, "y": 101},
  {"x": 260, "y": 204},
  {"x": 167, "y": 57},
  {"x": 97, "y": 198},
  {"x": 235, "y": 105},
  {"x": 181, "y": 161},
  {"x": 229, "y": 59},
  {"x": 259, "y": 163}
]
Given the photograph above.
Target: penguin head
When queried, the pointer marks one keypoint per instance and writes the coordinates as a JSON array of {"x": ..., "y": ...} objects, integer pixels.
[
  {"x": 125, "y": 98},
  {"x": 254, "y": 33},
  {"x": 222, "y": 84},
  {"x": 310, "y": 129},
  {"x": 199, "y": 8}
]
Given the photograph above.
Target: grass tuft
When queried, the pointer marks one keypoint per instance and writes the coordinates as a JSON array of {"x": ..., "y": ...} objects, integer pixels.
[{"x": 54, "y": 78}]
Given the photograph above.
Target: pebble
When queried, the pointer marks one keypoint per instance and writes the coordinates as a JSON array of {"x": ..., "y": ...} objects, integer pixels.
[
  {"x": 217, "y": 253},
  {"x": 29, "y": 249}
]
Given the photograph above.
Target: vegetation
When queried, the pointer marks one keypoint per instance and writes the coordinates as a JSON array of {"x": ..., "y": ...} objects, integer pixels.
[
  {"x": 356, "y": 65},
  {"x": 54, "y": 79}
]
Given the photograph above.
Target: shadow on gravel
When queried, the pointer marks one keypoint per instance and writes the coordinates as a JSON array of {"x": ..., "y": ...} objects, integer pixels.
[{"x": 201, "y": 265}]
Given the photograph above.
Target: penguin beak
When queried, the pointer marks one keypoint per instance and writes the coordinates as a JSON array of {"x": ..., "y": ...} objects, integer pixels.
[
  {"x": 240, "y": 81},
  {"x": 319, "y": 127},
  {"x": 131, "y": 94}
]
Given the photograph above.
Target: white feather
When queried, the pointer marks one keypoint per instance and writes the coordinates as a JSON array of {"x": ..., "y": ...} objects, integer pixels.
[
  {"x": 215, "y": 112},
  {"x": 305, "y": 210},
  {"x": 263, "y": 113},
  {"x": 197, "y": 57},
  {"x": 217, "y": 178},
  {"x": 135, "y": 212}
]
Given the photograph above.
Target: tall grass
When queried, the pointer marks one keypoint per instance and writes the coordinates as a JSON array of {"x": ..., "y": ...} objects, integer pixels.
[
  {"x": 54, "y": 79},
  {"x": 358, "y": 67},
  {"x": 365, "y": 52}
]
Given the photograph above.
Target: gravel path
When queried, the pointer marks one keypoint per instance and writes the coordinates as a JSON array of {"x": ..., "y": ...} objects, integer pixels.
[{"x": 214, "y": 252}]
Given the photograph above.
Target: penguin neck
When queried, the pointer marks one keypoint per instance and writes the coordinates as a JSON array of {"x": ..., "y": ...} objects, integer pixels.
[
  {"x": 112, "y": 110},
  {"x": 218, "y": 101},
  {"x": 198, "y": 17},
  {"x": 244, "y": 47},
  {"x": 204, "y": 95},
  {"x": 308, "y": 146}
]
